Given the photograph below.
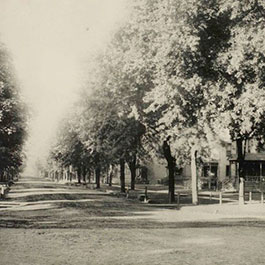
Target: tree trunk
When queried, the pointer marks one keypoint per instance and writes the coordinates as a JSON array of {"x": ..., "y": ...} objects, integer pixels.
[
  {"x": 122, "y": 174},
  {"x": 84, "y": 171},
  {"x": 107, "y": 173},
  {"x": 171, "y": 164},
  {"x": 79, "y": 172},
  {"x": 194, "y": 176},
  {"x": 171, "y": 182},
  {"x": 241, "y": 169},
  {"x": 132, "y": 166},
  {"x": 98, "y": 177},
  {"x": 110, "y": 175},
  {"x": 89, "y": 175}
]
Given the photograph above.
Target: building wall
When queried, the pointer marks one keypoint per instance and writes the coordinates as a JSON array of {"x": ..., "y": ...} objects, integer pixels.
[
  {"x": 157, "y": 168},
  {"x": 156, "y": 171}
]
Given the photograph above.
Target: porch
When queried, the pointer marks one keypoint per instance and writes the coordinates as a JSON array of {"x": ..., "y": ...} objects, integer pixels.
[{"x": 254, "y": 165}]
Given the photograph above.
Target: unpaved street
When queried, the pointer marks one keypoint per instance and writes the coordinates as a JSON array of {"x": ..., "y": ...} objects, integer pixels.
[{"x": 47, "y": 223}]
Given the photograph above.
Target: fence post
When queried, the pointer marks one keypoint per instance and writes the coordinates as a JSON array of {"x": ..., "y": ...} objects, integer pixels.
[
  {"x": 145, "y": 194},
  {"x": 178, "y": 201},
  {"x": 220, "y": 197},
  {"x": 262, "y": 197},
  {"x": 250, "y": 196}
]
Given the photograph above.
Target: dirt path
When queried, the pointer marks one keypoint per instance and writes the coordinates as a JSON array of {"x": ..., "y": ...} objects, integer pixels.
[
  {"x": 57, "y": 224},
  {"x": 40, "y": 203}
]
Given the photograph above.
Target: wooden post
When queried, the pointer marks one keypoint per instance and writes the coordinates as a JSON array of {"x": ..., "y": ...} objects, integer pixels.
[
  {"x": 241, "y": 191},
  {"x": 220, "y": 197},
  {"x": 260, "y": 171},
  {"x": 145, "y": 194},
  {"x": 262, "y": 197},
  {"x": 250, "y": 196},
  {"x": 236, "y": 177},
  {"x": 178, "y": 201},
  {"x": 211, "y": 196}
]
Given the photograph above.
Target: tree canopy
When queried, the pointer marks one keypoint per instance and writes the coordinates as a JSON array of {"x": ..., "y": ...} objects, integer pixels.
[
  {"x": 185, "y": 73},
  {"x": 12, "y": 119}
]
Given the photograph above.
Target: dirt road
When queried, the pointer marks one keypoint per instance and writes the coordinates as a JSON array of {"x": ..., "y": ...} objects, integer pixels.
[{"x": 46, "y": 223}]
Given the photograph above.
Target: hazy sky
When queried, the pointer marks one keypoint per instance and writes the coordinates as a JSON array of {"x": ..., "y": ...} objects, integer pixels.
[{"x": 49, "y": 41}]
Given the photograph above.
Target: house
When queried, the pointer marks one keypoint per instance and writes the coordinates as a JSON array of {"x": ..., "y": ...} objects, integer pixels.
[
  {"x": 254, "y": 165},
  {"x": 222, "y": 170}
]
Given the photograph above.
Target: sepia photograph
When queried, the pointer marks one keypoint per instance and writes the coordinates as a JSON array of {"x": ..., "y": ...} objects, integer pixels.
[{"x": 132, "y": 132}]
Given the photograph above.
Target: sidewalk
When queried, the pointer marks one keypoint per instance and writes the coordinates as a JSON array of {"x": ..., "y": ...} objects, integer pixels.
[
  {"x": 208, "y": 210},
  {"x": 225, "y": 212},
  {"x": 158, "y": 194}
]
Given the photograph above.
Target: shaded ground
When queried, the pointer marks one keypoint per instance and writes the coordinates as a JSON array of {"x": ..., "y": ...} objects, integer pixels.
[{"x": 58, "y": 224}]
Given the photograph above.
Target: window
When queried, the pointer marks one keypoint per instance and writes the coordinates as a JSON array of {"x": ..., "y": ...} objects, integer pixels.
[
  {"x": 229, "y": 150},
  {"x": 227, "y": 171},
  {"x": 206, "y": 170}
]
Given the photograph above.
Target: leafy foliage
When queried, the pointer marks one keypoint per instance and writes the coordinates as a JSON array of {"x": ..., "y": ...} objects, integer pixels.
[
  {"x": 192, "y": 70},
  {"x": 12, "y": 119}
]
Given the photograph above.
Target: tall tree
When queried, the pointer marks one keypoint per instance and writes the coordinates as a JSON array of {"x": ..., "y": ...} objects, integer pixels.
[
  {"x": 231, "y": 63},
  {"x": 210, "y": 74},
  {"x": 13, "y": 118}
]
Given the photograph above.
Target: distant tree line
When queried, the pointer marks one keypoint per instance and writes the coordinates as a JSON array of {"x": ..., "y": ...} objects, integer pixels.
[{"x": 178, "y": 77}]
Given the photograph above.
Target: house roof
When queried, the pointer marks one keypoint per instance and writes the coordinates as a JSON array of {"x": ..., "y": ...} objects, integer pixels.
[{"x": 250, "y": 157}]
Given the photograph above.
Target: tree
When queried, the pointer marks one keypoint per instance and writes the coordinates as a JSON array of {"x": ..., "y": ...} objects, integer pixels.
[
  {"x": 12, "y": 121},
  {"x": 134, "y": 65},
  {"x": 231, "y": 62},
  {"x": 116, "y": 139},
  {"x": 69, "y": 149},
  {"x": 173, "y": 99},
  {"x": 107, "y": 114},
  {"x": 184, "y": 71},
  {"x": 211, "y": 74},
  {"x": 171, "y": 162}
]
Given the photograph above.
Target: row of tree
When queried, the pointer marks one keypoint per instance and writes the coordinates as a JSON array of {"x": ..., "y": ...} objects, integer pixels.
[
  {"x": 177, "y": 76},
  {"x": 12, "y": 121}
]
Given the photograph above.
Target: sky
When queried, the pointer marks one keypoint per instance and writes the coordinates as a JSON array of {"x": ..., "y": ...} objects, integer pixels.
[{"x": 50, "y": 42}]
